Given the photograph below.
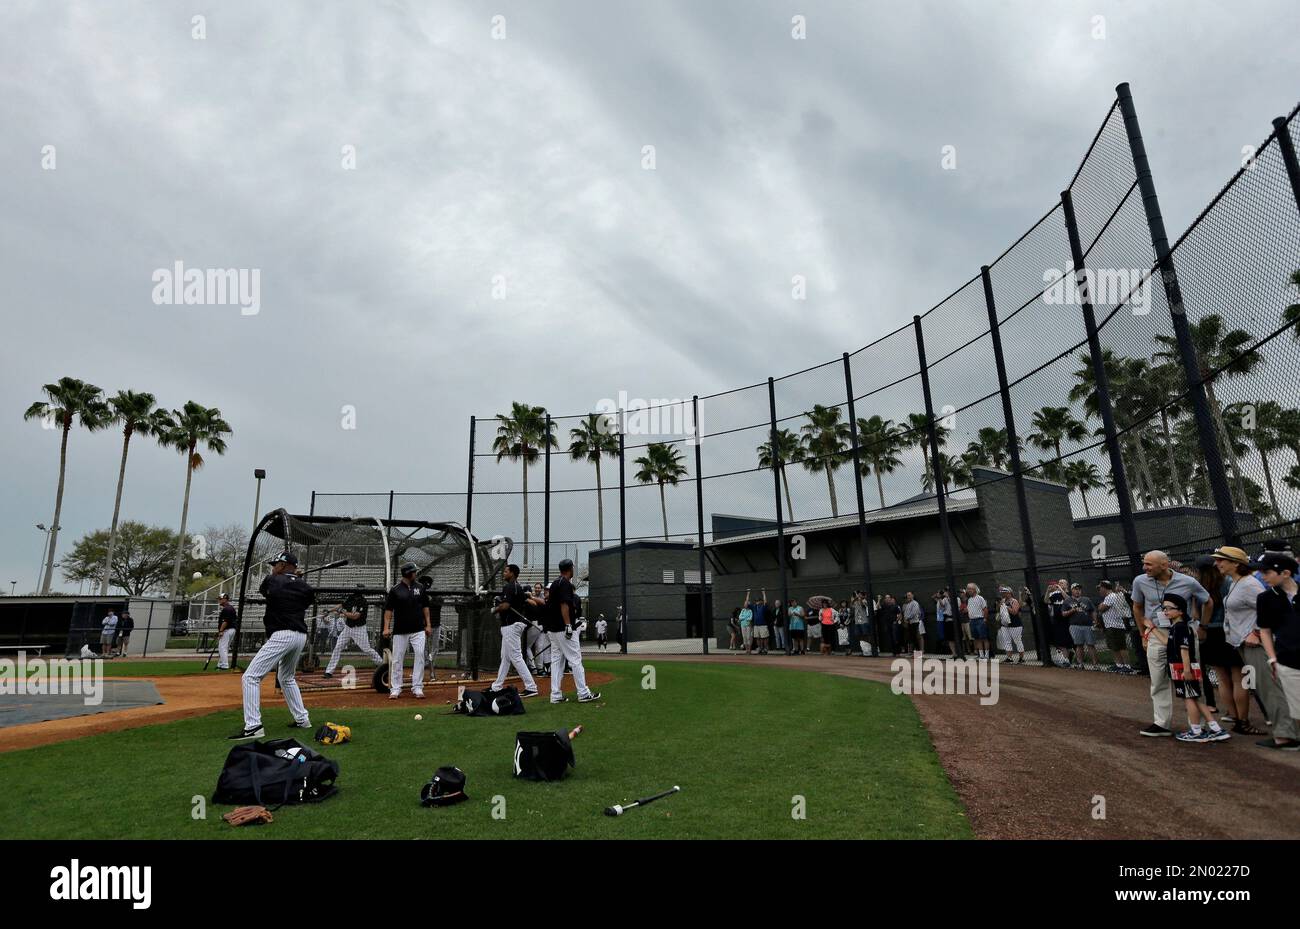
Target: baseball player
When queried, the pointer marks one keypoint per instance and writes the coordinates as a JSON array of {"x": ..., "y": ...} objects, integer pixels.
[
  {"x": 406, "y": 619},
  {"x": 287, "y": 597},
  {"x": 227, "y": 628},
  {"x": 354, "y": 611},
  {"x": 602, "y": 630},
  {"x": 537, "y": 647},
  {"x": 434, "y": 603},
  {"x": 514, "y": 623},
  {"x": 560, "y": 618}
]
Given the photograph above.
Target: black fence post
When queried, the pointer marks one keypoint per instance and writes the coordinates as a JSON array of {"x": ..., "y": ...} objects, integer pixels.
[
  {"x": 469, "y": 480},
  {"x": 624, "y": 619},
  {"x": 1284, "y": 142},
  {"x": 391, "y": 495},
  {"x": 778, "y": 465},
  {"x": 546, "y": 505},
  {"x": 706, "y": 618},
  {"x": 939, "y": 492},
  {"x": 1042, "y": 636},
  {"x": 862, "y": 509},
  {"x": 310, "y": 512},
  {"x": 1223, "y": 502},
  {"x": 1118, "y": 474}
]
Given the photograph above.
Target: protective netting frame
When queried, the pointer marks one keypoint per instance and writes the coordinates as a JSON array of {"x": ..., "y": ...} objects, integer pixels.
[{"x": 462, "y": 567}]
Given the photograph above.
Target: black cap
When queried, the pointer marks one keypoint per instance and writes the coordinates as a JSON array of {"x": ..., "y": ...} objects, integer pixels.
[
  {"x": 289, "y": 557},
  {"x": 566, "y": 565},
  {"x": 1177, "y": 600},
  {"x": 1274, "y": 561},
  {"x": 408, "y": 568}
]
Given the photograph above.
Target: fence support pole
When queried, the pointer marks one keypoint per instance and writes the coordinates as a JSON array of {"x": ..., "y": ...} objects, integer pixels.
[
  {"x": 862, "y": 509},
  {"x": 1118, "y": 474},
  {"x": 1223, "y": 502},
  {"x": 940, "y": 494},
  {"x": 1042, "y": 633},
  {"x": 624, "y": 619},
  {"x": 1288, "y": 156},
  {"x": 778, "y": 465},
  {"x": 391, "y": 495},
  {"x": 469, "y": 480},
  {"x": 546, "y": 506},
  {"x": 310, "y": 512},
  {"x": 706, "y": 620}
]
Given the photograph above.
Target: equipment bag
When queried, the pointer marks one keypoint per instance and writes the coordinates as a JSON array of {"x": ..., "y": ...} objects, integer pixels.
[
  {"x": 276, "y": 772},
  {"x": 504, "y": 702},
  {"x": 543, "y": 756}
]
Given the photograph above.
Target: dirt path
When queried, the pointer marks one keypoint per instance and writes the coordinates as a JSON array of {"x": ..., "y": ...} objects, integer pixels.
[
  {"x": 1030, "y": 765},
  {"x": 194, "y": 695}
]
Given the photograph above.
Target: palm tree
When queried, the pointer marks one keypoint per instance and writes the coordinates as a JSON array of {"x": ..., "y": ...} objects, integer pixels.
[
  {"x": 1052, "y": 426},
  {"x": 591, "y": 440},
  {"x": 788, "y": 451},
  {"x": 1216, "y": 348},
  {"x": 137, "y": 414},
  {"x": 521, "y": 436},
  {"x": 825, "y": 441},
  {"x": 990, "y": 447},
  {"x": 1083, "y": 476},
  {"x": 879, "y": 447},
  {"x": 661, "y": 464},
  {"x": 1288, "y": 426},
  {"x": 918, "y": 437},
  {"x": 194, "y": 425},
  {"x": 1268, "y": 436},
  {"x": 66, "y": 401},
  {"x": 1291, "y": 315},
  {"x": 956, "y": 473}
]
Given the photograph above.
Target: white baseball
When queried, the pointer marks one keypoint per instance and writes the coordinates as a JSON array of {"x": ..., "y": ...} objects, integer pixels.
[{"x": 418, "y": 716}]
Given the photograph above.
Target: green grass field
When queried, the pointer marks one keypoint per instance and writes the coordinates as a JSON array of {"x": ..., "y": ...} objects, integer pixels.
[{"x": 741, "y": 741}]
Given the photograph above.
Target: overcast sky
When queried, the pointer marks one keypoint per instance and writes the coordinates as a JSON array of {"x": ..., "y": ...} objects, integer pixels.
[{"x": 521, "y": 159}]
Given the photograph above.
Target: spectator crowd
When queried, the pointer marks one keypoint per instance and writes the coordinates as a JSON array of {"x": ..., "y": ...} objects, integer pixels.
[{"x": 1221, "y": 636}]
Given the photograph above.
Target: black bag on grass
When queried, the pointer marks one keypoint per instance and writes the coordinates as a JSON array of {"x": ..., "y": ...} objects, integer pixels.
[
  {"x": 274, "y": 773},
  {"x": 503, "y": 702},
  {"x": 543, "y": 756}
]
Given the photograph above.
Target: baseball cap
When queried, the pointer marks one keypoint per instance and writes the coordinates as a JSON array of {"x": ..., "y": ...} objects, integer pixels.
[
  {"x": 1274, "y": 561},
  {"x": 1177, "y": 600},
  {"x": 289, "y": 557},
  {"x": 408, "y": 568}
]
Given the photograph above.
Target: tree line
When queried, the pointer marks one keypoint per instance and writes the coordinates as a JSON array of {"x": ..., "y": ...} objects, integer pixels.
[{"x": 190, "y": 431}]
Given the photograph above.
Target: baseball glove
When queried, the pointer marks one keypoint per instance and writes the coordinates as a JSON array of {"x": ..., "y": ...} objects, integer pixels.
[{"x": 249, "y": 816}]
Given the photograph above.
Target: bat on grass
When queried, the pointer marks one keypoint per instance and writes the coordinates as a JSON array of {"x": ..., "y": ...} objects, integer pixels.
[{"x": 617, "y": 810}]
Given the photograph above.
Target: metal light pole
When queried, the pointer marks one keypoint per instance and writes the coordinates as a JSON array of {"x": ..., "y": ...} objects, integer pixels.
[
  {"x": 258, "y": 473},
  {"x": 45, "y": 548}
]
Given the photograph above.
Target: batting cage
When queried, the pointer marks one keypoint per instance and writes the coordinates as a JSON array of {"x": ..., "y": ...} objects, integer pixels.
[{"x": 352, "y": 562}]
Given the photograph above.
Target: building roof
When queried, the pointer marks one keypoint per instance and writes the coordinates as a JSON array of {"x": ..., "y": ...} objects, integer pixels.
[{"x": 908, "y": 509}]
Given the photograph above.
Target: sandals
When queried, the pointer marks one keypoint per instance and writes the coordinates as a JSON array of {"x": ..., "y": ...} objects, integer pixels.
[{"x": 1244, "y": 728}]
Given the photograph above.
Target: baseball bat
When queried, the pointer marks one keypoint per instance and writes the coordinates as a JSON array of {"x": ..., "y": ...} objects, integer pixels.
[{"x": 617, "y": 810}]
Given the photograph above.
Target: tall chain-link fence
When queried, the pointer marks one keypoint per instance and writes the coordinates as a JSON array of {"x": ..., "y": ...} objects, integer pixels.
[{"x": 1094, "y": 392}]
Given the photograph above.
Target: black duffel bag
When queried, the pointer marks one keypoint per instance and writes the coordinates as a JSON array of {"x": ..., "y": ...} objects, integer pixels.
[{"x": 274, "y": 773}]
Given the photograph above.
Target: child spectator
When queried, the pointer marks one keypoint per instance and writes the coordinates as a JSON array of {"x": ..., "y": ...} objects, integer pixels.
[{"x": 1180, "y": 647}]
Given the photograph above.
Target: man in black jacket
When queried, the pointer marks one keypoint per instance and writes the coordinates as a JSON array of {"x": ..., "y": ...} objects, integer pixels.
[{"x": 287, "y": 597}]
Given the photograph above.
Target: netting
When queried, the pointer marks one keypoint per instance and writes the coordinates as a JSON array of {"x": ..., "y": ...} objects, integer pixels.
[
  {"x": 343, "y": 556},
  {"x": 759, "y": 454}
]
